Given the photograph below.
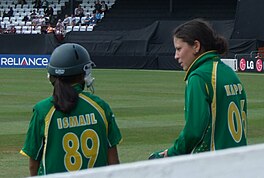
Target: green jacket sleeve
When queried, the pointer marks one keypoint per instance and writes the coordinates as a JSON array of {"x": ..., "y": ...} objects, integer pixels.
[
  {"x": 197, "y": 115},
  {"x": 35, "y": 137}
]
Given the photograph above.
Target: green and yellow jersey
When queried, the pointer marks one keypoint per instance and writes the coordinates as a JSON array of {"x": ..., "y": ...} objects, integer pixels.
[
  {"x": 215, "y": 108},
  {"x": 69, "y": 142}
]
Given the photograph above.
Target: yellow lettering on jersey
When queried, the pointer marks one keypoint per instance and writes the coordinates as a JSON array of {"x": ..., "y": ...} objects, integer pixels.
[
  {"x": 94, "y": 121},
  {"x": 227, "y": 88},
  {"x": 65, "y": 122},
  {"x": 90, "y": 119},
  {"x": 87, "y": 117},
  {"x": 240, "y": 88},
  {"x": 73, "y": 121},
  {"x": 233, "y": 89},
  {"x": 82, "y": 120},
  {"x": 59, "y": 123},
  {"x": 76, "y": 121}
]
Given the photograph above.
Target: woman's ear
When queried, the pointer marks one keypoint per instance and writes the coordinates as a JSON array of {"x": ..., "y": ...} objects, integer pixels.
[{"x": 196, "y": 46}]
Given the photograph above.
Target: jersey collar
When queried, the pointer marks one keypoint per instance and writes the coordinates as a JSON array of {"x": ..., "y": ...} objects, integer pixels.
[{"x": 199, "y": 60}]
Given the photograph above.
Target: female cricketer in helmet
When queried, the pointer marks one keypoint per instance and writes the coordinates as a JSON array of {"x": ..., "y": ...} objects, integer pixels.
[
  {"x": 73, "y": 129},
  {"x": 215, "y": 99}
]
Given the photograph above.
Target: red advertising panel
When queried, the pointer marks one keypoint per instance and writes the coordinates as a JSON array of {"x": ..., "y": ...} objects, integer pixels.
[{"x": 250, "y": 63}]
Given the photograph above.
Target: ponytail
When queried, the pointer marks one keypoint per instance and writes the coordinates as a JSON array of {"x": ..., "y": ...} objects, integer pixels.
[
  {"x": 221, "y": 45},
  {"x": 65, "y": 97}
]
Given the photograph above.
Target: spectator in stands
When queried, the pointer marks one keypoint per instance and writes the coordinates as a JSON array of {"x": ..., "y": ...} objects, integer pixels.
[
  {"x": 49, "y": 13},
  {"x": 66, "y": 21},
  {"x": 59, "y": 29},
  {"x": 45, "y": 5},
  {"x": 93, "y": 19},
  {"x": 215, "y": 99},
  {"x": 73, "y": 20},
  {"x": 5, "y": 14},
  {"x": 98, "y": 15},
  {"x": 34, "y": 18},
  {"x": 41, "y": 20},
  {"x": 87, "y": 19},
  {"x": 12, "y": 29},
  {"x": 258, "y": 56},
  {"x": 10, "y": 13},
  {"x": 98, "y": 6},
  {"x": 79, "y": 12},
  {"x": 50, "y": 29},
  {"x": 25, "y": 19},
  {"x": 104, "y": 7},
  {"x": 37, "y": 4},
  {"x": 33, "y": 15}
]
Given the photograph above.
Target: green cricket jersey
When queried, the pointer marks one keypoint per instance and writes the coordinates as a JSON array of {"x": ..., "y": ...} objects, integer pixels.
[
  {"x": 215, "y": 108},
  {"x": 74, "y": 141}
]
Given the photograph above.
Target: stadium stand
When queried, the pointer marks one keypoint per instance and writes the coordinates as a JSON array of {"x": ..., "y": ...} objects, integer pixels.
[
  {"x": 129, "y": 14},
  {"x": 88, "y": 5},
  {"x": 137, "y": 34},
  {"x": 20, "y": 11}
]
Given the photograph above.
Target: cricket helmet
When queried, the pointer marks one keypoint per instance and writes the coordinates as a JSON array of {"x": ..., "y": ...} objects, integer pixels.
[{"x": 69, "y": 59}]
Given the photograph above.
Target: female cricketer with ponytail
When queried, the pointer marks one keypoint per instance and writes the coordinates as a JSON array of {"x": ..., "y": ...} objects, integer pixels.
[
  {"x": 73, "y": 129},
  {"x": 215, "y": 99}
]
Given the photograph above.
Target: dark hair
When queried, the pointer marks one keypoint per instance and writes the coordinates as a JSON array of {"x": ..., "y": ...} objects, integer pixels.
[
  {"x": 65, "y": 97},
  {"x": 201, "y": 31}
]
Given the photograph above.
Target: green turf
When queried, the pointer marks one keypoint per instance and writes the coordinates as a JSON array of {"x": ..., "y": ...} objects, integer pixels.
[{"x": 148, "y": 106}]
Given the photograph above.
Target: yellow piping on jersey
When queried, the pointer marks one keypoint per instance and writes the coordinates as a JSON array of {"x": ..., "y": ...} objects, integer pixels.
[
  {"x": 23, "y": 153},
  {"x": 213, "y": 105},
  {"x": 188, "y": 70},
  {"x": 100, "y": 110},
  {"x": 47, "y": 123},
  {"x": 207, "y": 90}
]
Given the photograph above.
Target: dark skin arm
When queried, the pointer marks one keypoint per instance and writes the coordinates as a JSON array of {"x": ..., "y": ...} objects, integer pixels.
[
  {"x": 112, "y": 159},
  {"x": 113, "y": 156},
  {"x": 33, "y": 167}
]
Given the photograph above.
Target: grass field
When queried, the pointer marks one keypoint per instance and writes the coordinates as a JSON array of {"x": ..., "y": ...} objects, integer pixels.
[{"x": 148, "y": 106}]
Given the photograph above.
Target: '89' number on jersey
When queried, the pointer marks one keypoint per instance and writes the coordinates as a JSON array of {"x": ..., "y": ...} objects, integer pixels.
[{"x": 71, "y": 144}]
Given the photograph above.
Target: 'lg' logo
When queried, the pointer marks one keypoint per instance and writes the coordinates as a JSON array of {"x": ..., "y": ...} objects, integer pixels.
[{"x": 259, "y": 65}]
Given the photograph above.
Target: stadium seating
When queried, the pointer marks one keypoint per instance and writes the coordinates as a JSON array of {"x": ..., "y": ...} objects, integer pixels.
[
  {"x": 88, "y": 5},
  {"x": 79, "y": 28},
  {"x": 22, "y": 10}
]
